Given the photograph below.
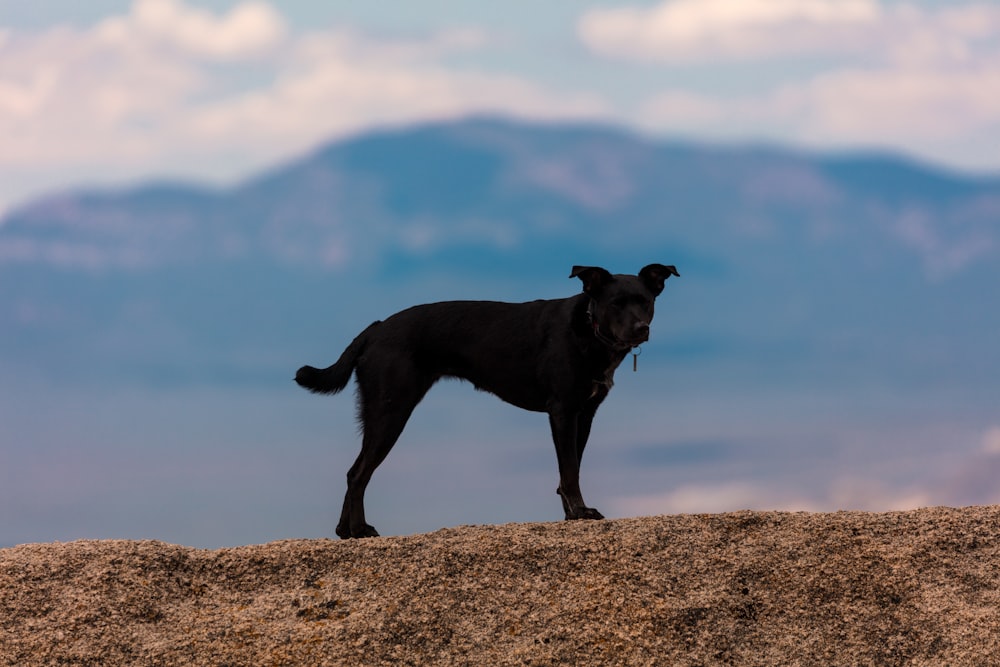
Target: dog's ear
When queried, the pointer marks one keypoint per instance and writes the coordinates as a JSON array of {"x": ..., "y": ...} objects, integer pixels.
[
  {"x": 655, "y": 275},
  {"x": 593, "y": 277}
]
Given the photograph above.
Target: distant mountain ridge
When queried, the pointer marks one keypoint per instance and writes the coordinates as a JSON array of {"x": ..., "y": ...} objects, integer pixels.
[
  {"x": 844, "y": 254},
  {"x": 495, "y": 184}
]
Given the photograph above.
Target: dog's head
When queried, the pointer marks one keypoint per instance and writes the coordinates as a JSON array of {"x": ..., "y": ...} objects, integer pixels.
[{"x": 621, "y": 305}]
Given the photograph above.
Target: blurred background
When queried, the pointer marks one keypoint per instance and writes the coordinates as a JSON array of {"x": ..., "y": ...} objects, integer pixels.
[{"x": 196, "y": 198}]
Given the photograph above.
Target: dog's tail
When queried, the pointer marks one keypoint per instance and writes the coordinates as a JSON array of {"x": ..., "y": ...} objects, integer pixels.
[{"x": 334, "y": 378}]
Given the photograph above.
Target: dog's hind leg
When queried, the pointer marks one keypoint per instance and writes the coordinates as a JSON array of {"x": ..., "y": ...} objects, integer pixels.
[
  {"x": 386, "y": 404},
  {"x": 380, "y": 434}
]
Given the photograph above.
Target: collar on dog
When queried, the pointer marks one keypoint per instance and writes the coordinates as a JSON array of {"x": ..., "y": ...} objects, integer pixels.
[{"x": 610, "y": 341}]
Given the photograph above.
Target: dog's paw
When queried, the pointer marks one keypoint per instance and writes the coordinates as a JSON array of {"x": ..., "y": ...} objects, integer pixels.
[
  {"x": 584, "y": 513},
  {"x": 367, "y": 531},
  {"x": 346, "y": 533}
]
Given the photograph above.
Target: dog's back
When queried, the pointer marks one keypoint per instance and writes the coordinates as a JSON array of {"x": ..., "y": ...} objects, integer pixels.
[{"x": 499, "y": 347}]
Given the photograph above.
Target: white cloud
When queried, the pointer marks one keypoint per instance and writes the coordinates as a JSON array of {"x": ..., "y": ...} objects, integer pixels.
[
  {"x": 710, "y": 498},
  {"x": 874, "y": 496},
  {"x": 901, "y": 103},
  {"x": 681, "y": 31},
  {"x": 685, "y": 30},
  {"x": 897, "y": 77},
  {"x": 843, "y": 494},
  {"x": 991, "y": 441},
  {"x": 67, "y": 95},
  {"x": 338, "y": 82},
  {"x": 947, "y": 114},
  {"x": 247, "y": 29},
  {"x": 168, "y": 87}
]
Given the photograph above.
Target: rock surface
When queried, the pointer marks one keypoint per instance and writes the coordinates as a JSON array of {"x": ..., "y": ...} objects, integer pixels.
[{"x": 746, "y": 588}]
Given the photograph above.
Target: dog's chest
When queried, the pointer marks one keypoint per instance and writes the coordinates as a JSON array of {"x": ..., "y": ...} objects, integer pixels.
[{"x": 604, "y": 381}]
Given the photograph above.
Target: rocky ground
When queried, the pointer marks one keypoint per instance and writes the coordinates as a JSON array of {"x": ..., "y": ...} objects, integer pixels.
[{"x": 747, "y": 588}]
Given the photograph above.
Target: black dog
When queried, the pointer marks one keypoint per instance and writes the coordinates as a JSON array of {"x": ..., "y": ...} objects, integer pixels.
[{"x": 557, "y": 356}]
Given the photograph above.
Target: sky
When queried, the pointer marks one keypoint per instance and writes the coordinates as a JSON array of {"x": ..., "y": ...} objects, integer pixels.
[{"x": 110, "y": 92}]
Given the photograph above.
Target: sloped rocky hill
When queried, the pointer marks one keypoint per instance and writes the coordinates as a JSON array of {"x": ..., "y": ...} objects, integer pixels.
[{"x": 746, "y": 588}]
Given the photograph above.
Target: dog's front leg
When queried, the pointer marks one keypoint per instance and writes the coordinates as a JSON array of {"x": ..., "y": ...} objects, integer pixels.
[{"x": 564, "y": 435}]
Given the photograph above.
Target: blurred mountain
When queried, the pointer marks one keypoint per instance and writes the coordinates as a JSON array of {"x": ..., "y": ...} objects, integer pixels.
[{"x": 796, "y": 268}]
